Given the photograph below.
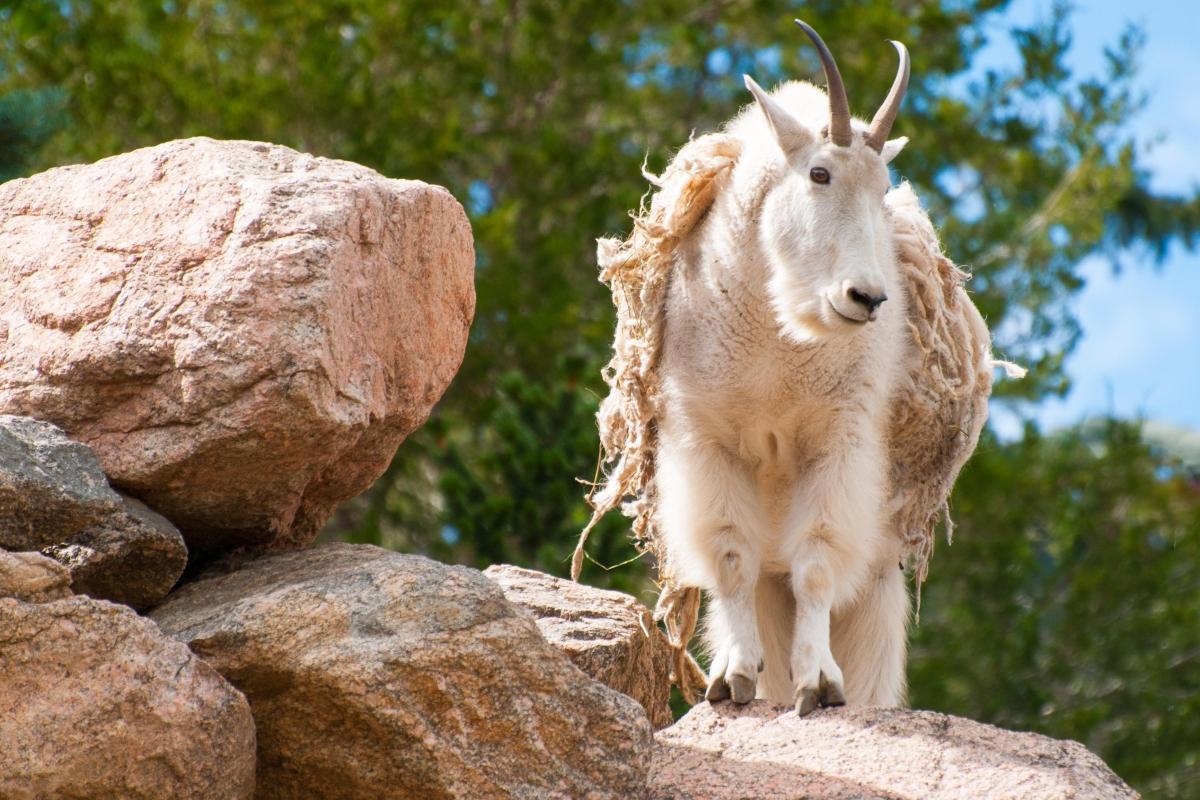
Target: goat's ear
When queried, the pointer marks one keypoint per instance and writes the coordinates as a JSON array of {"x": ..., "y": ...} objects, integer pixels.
[
  {"x": 892, "y": 148},
  {"x": 788, "y": 131}
]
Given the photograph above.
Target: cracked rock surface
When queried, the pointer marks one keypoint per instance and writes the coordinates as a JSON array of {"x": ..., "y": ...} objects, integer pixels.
[
  {"x": 50, "y": 486},
  {"x": 95, "y": 703},
  {"x": 243, "y": 334},
  {"x": 382, "y": 675},
  {"x": 609, "y": 635},
  {"x": 763, "y": 750},
  {"x": 133, "y": 557}
]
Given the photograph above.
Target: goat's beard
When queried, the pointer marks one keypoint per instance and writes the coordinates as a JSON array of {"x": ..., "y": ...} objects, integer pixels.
[{"x": 805, "y": 315}]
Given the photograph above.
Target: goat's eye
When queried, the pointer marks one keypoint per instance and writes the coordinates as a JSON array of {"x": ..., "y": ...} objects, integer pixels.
[{"x": 819, "y": 175}]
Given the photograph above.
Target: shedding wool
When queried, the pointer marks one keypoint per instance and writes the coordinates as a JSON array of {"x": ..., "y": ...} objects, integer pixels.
[{"x": 937, "y": 413}]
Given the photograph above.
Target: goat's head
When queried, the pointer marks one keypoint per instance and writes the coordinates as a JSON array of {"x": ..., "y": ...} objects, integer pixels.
[{"x": 823, "y": 222}]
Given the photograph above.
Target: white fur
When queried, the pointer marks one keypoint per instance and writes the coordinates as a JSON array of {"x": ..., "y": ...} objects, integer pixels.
[{"x": 772, "y": 454}]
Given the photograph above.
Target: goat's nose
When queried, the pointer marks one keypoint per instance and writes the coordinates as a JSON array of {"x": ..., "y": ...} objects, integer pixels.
[{"x": 867, "y": 299}]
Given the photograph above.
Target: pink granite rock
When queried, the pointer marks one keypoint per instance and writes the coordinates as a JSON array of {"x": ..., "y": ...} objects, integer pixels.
[
  {"x": 766, "y": 751},
  {"x": 609, "y": 635},
  {"x": 33, "y": 577},
  {"x": 244, "y": 334},
  {"x": 373, "y": 674},
  {"x": 96, "y": 704}
]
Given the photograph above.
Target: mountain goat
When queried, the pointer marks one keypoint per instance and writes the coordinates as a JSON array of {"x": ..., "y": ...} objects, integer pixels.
[{"x": 798, "y": 378}]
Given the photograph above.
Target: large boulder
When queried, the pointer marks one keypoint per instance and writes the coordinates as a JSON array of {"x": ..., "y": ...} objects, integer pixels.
[
  {"x": 766, "y": 751},
  {"x": 96, "y": 703},
  {"x": 134, "y": 557},
  {"x": 50, "y": 486},
  {"x": 608, "y": 635},
  {"x": 244, "y": 334},
  {"x": 33, "y": 577},
  {"x": 376, "y": 674}
]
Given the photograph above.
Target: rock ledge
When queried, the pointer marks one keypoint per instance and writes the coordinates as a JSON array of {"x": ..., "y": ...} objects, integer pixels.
[{"x": 765, "y": 751}]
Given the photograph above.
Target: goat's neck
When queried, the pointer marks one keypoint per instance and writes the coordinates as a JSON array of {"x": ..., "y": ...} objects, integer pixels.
[{"x": 727, "y": 249}]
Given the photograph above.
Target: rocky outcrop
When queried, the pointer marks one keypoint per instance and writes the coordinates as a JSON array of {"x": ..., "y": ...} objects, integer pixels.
[
  {"x": 134, "y": 557},
  {"x": 96, "y": 703},
  {"x": 244, "y": 334},
  {"x": 241, "y": 336},
  {"x": 33, "y": 577},
  {"x": 608, "y": 635},
  {"x": 50, "y": 486},
  {"x": 766, "y": 751},
  {"x": 375, "y": 674}
]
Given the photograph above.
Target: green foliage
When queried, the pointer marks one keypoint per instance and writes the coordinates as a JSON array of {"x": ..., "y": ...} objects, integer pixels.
[
  {"x": 507, "y": 487},
  {"x": 1059, "y": 609},
  {"x": 541, "y": 113},
  {"x": 28, "y": 118},
  {"x": 1068, "y": 602}
]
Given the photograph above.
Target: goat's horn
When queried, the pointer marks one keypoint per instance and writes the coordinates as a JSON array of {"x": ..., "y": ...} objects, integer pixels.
[
  {"x": 839, "y": 106},
  {"x": 881, "y": 125}
]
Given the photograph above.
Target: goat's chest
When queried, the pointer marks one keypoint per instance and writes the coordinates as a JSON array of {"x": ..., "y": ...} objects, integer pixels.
[
  {"x": 772, "y": 402},
  {"x": 781, "y": 408},
  {"x": 732, "y": 379}
]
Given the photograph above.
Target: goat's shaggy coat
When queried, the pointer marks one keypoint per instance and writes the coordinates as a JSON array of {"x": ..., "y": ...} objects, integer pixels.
[{"x": 671, "y": 405}]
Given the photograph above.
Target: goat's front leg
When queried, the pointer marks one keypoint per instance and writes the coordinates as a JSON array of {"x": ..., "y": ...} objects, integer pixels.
[
  {"x": 835, "y": 534},
  {"x": 713, "y": 529},
  {"x": 733, "y": 622},
  {"x": 817, "y": 677}
]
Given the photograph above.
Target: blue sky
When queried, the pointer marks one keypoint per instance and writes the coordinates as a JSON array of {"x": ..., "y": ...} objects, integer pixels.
[{"x": 1140, "y": 351}]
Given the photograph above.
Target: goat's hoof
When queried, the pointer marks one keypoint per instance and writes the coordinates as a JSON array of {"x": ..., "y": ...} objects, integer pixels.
[
  {"x": 826, "y": 694},
  {"x": 717, "y": 690},
  {"x": 831, "y": 693},
  {"x": 733, "y": 676},
  {"x": 807, "y": 700},
  {"x": 741, "y": 688}
]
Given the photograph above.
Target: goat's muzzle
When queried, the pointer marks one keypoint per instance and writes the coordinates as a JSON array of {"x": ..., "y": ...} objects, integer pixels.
[{"x": 857, "y": 303}]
